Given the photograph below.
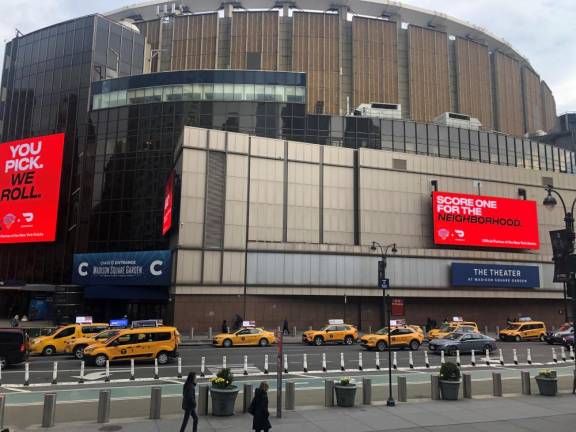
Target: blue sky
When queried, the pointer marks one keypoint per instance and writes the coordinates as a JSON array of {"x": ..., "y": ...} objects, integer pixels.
[{"x": 544, "y": 31}]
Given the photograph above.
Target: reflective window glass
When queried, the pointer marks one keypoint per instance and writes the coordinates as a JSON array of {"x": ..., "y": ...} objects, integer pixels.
[{"x": 443, "y": 141}]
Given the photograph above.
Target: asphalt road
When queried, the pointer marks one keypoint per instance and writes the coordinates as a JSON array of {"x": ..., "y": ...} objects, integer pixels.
[{"x": 41, "y": 368}]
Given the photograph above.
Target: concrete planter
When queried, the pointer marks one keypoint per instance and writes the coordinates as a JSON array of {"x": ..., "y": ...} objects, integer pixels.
[
  {"x": 449, "y": 389},
  {"x": 345, "y": 395},
  {"x": 223, "y": 401},
  {"x": 547, "y": 386}
]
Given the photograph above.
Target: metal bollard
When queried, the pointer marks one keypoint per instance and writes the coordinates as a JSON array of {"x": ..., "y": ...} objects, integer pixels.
[
  {"x": 132, "y": 371},
  {"x": 366, "y": 391},
  {"x": 107, "y": 376},
  {"x": 294, "y": 330},
  {"x": 192, "y": 334},
  {"x": 525, "y": 376},
  {"x": 247, "y": 397},
  {"x": 179, "y": 373},
  {"x": 26, "y": 374},
  {"x": 210, "y": 334},
  {"x": 402, "y": 389},
  {"x": 434, "y": 387},
  {"x": 328, "y": 393},
  {"x": 467, "y": 381},
  {"x": 49, "y": 410},
  {"x": 203, "y": 399},
  {"x": 103, "y": 406},
  {"x": 290, "y": 400},
  {"x": 266, "y": 364},
  {"x": 203, "y": 367},
  {"x": 81, "y": 378},
  {"x": 496, "y": 384},
  {"x": 155, "y": 403},
  {"x": 156, "y": 375},
  {"x": 2, "y": 410}
]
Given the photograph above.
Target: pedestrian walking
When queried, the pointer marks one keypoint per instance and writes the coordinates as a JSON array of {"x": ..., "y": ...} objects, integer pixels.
[
  {"x": 15, "y": 322},
  {"x": 259, "y": 409},
  {"x": 224, "y": 326},
  {"x": 189, "y": 402},
  {"x": 238, "y": 322},
  {"x": 285, "y": 328}
]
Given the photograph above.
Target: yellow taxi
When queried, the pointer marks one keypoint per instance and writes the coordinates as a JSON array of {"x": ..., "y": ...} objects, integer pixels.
[
  {"x": 76, "y": 346},
  {"x": 401, "y": 336},
  {"x": 335, "y": 332},
  {"x": 458, "y": 325},
  {"x": 145, "y": 343},
  {"x": 524, "y": 329},
  {"x": 245, "y": 336},
  {"x": 55, "y": 341}
]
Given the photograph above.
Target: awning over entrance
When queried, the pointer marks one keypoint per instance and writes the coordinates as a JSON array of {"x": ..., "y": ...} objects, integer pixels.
[{"x": 126, "y": 293}]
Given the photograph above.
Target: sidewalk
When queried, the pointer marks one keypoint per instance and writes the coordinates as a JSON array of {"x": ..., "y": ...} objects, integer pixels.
[{"x": 517, "y": 414}]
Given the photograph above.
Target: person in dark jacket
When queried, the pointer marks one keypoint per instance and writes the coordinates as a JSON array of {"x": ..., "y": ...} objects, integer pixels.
[
  {"x": 259, "y": 409},
  {"x": 189, "y": 402}
]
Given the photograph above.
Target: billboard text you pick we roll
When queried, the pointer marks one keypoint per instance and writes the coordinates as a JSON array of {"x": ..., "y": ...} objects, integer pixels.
[{"x": 472, "y": 220}]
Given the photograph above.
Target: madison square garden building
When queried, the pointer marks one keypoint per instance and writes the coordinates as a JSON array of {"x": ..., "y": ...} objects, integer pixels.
[{"x": 195, "y": 160}]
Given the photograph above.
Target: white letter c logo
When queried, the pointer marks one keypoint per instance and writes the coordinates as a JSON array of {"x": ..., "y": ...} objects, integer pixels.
[
  {"x": 154, "y": 268},
  {"x": 82, "y": 269}
]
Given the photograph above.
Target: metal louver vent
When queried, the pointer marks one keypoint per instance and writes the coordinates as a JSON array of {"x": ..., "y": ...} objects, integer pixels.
[{"x": 215, "y": 200}]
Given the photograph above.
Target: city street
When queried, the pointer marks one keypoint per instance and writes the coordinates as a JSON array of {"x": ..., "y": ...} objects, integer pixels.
[{"x": 41, "y": 369}]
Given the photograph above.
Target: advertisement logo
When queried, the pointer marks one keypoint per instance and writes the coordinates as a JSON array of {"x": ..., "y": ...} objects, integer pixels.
[
  {"x": 491, "y": 222},
  {"x": 30, "y": 171}
]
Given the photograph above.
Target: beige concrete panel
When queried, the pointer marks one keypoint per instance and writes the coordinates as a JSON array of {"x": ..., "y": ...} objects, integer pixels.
[
  {"x": 212, "y": 262},
  {"x": 217, "y": 140},
  {"x": 338, "y": 156},
  {"x": 238, "y": 142},
  {"x": 266, "y": 200},
  {"x": 189, "y": 266},
  {"x": 338, "y": 211},
  {"x": 211, "y": 290},
  {"x": 191, "y": 234},
  {"x": 233, "y": 268},
  {"x": 303, "y": 152},
  {"x": 266, "y": 147},
  {"x": 195, "y": 137},
  {"x": 194, "y": 161},
  {"x": 303, "y": 202}
]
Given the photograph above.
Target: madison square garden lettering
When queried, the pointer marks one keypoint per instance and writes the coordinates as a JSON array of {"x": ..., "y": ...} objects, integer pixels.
[
  {"x": 30, "y": 188},
  {"x": 484, "y": 221}
]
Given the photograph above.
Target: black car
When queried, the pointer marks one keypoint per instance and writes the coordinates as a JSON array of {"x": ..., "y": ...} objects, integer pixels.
[
  {"x": 463, "y": 342},
  {"x": 13, "y": 346}
]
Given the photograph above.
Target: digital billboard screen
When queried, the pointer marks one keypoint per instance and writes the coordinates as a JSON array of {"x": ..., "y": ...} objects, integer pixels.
[
  {"x": 168, "y": 204},
  {"x": 30, "y": 172},
  {"x": 484, "y": 221}
]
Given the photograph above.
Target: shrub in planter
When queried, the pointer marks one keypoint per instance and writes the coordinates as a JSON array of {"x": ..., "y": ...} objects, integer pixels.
[
  {"x": 547, "y": 381},
  {"x": 345, "y": 392},
  {"x": 223, "y": 393},
  {"x": 449, "y": 381}
]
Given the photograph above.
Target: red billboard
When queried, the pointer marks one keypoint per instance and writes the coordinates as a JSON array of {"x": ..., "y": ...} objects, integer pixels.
[
  {"x": 168, "y": 204},
  {"x": 492, "y": 222},
  {"x": 30, "y": 188}
]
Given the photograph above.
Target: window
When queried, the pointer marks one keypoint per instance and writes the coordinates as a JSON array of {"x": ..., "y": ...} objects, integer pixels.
[
  {"x": 123, "y": 340},
  {"x": 65, "y": 333},
  {"x": 163, "y": 336},
  {"x": 11, "y": 338}
]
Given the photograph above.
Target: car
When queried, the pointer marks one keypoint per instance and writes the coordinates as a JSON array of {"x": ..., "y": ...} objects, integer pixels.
[
  {"x": 55, "y": 341},
  {"x": 453, "y": 326},
  {"x": 568, "y": 341},
  {"x": 523, "y": 330},
  {"x": 334, "y": 333},
  {"x": 557, "y": 336},
  {"x": 402, "y": 337},
  {"x": 463, "y": 342},
  {"x": 246, "y": 336},
  {"x": 144, "y": 343},
  {"x": 13, "y": 347},
  {"x": 76, "y": 346}
]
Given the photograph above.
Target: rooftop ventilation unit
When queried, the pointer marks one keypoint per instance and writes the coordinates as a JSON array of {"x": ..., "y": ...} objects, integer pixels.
[
  {"x": 458, "y": 120},
  {"x": 379, "y": 109}
]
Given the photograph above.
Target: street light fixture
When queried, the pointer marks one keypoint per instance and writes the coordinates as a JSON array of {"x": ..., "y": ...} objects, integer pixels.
[
  {"x": 550, "y": 202},
  {"x": 384, "y": 285}
]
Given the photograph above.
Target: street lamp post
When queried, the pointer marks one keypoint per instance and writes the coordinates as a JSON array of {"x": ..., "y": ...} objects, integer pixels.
[
  {"x": 384, "y": 285},
  {"x": 550, "y": 202}
]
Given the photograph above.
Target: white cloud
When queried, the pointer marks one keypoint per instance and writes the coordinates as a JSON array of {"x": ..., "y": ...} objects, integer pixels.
[{"x": 543, "y": 31}]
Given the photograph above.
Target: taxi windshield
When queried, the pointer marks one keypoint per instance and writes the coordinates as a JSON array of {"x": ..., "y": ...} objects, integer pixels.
[
  {"x": 324, "y": 328},
  {"x": 454, "y": 336},
  {"x": 513, "y": 326},
  {"x": 51, "y": 332},
  {"x": 382, "y": 331},
  {"x": 447, "y": 327}
]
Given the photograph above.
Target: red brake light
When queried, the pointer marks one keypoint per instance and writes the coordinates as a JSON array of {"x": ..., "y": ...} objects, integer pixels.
[{"x": 22, "y": 348}]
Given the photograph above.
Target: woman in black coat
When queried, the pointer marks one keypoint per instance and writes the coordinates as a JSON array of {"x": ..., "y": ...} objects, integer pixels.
[
  {"x": 189, "y": 402},
  {"x": 259, "y": 409}
]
